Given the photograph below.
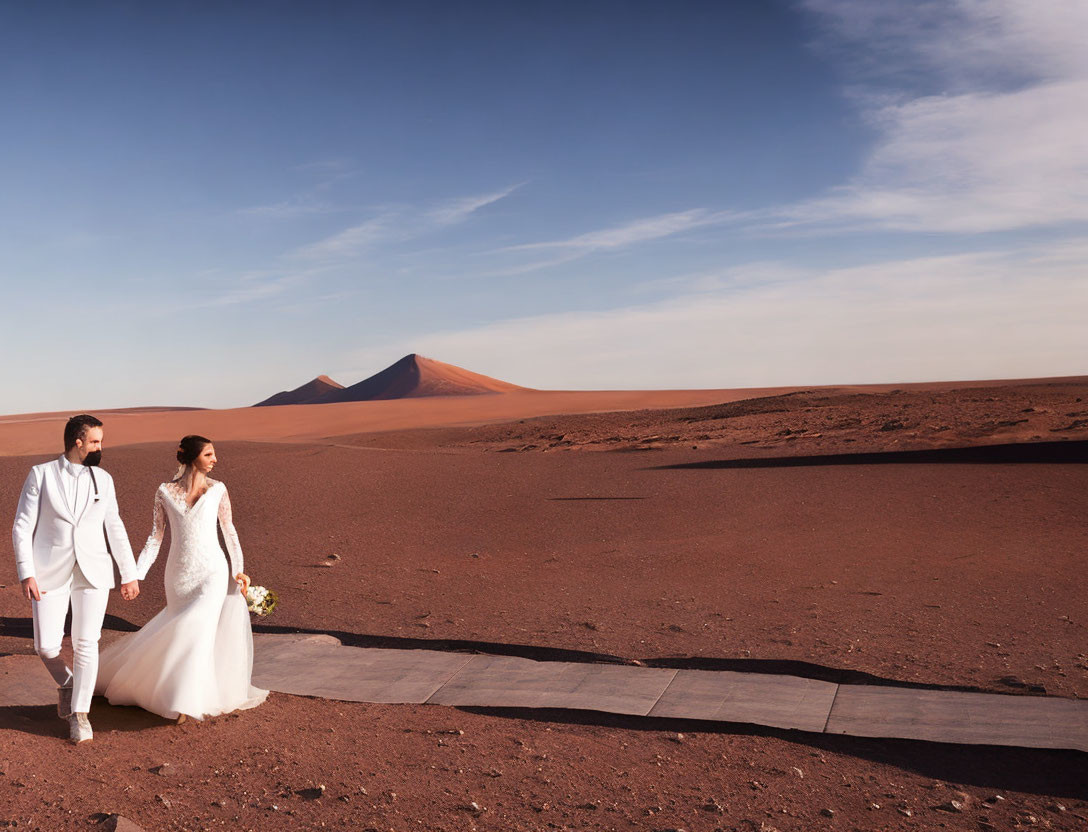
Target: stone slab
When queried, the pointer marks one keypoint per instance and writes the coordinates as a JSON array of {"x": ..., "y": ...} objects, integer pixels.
[
  {"x": 969, "y": 718},
  {"x": 511, "y": 682},
  {"x": 25, "y": 681},
  {"x": 757, "y": 698},
  {"x": 314, "y": 668}
]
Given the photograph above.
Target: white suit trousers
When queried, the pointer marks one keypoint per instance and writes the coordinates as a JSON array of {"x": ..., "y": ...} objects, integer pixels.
[{"x": 88, "y": 611}]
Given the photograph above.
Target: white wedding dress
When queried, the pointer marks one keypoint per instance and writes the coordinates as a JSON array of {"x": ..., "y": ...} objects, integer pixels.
[{"x": 196, "y": 656}]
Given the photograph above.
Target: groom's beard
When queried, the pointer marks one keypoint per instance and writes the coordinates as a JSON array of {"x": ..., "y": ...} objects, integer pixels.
[{"x": 93, "y": 458}]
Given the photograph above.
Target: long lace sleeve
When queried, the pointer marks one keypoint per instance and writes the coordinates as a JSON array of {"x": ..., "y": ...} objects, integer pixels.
[
  {"x": 154, "y": 540},
  {"x": 230, "y": 535}
]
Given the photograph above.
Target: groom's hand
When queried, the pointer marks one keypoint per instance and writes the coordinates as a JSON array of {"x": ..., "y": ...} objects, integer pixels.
[
  {"x": 130, "y": 590},
  {"x": 31, "y": 591}
]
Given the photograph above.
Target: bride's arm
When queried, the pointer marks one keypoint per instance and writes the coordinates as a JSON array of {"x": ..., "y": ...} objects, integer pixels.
[
  {"x": 230, "y": 537},
  {"x": 154, "y": 540}
]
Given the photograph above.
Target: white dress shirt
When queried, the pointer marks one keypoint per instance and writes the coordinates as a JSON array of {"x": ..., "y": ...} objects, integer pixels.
[{"x": 76, "y": 480}]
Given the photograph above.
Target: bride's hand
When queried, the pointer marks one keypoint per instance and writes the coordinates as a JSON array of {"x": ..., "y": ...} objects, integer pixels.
[{"x": 242, "y": 579}]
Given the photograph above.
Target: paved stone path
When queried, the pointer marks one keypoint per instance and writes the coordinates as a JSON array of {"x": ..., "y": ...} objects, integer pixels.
[{"x": 321, "y": 666}]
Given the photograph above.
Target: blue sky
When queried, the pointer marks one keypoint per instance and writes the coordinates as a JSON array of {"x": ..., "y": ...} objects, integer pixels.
[{"x": 204, "y": 203}]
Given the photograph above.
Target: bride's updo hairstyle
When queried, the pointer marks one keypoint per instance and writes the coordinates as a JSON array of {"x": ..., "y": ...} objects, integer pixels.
[{"x": 189, "y": 448}]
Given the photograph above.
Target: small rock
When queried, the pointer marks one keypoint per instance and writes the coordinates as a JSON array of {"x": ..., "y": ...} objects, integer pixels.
[
  {"x": 1056, "y": 807},
  {"x": 798, "y": 772},
  {"x": 590, "y": 805},
  {"x": 714, "y": 806},
  {"x": 119, "y": 823},
  {"x": 994, "y": 799},
  {"x": 312, "y": 793},
  {"x": 874, "y": 806},
  {"x": 473, "y": 807},
  {"x": 827, "y": 813},
  {"x": 907, "y": 813},
  {"x": 951, "y": 806},
  {"x": 677, "y": 738},
  {"x": 163, "y": 800},
  {"x": 163, "y": 770},
  {"x": 334, "y": 556},
  {"x": 1027, "y": 820}
]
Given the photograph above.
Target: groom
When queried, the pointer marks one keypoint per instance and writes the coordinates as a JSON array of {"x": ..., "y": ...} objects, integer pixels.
[{"x": 66, "y": 512}]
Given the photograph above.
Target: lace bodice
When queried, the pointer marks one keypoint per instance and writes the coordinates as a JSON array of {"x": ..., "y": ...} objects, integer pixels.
[{"x": 192, "y": 530}]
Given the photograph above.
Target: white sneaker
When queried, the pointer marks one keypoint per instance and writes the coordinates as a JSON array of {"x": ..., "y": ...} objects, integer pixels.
[
  {"x": 79, "y": 728},
  {"x": 64, "y": 702}
]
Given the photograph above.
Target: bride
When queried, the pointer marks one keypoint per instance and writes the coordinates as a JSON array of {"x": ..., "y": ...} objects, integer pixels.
[{"x": 195, "y": 657}]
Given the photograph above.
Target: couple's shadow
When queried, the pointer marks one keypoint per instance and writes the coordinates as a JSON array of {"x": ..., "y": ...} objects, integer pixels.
[{"x": 42, "y": 720}]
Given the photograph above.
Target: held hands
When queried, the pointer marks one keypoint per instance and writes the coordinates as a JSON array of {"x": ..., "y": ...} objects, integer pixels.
[
  {"x": 242, "y": 579},
  {"x": 30, "y": 589},
  {"x": 32, "y": 593}
]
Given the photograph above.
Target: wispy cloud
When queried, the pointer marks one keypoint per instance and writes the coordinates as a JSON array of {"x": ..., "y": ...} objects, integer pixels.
[
  {"x": 289, "y": 208},
  {"x": 454, "y": 211},
  {"x": 351, "y": 242},
  {"x": 1000, "y": 148},
  {"x": 616, "y": 237},
  {"x": 638, "y": 231},
  {"x": 395, "y": 225},
  {"x": 990, "y": 314}
]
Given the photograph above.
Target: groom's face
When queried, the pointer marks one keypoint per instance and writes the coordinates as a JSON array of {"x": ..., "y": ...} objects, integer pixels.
[{"x": 91, "y": 442}]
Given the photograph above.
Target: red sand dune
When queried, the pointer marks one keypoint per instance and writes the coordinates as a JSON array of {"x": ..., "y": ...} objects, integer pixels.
[
  {"x": 305, "y": 394},
  {"x": 415, "y": 376}
]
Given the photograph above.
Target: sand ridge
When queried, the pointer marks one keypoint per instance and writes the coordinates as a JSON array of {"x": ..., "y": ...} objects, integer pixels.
[
  {"x": 416, "y": 376},
  {"x": 311, "y": 390}
]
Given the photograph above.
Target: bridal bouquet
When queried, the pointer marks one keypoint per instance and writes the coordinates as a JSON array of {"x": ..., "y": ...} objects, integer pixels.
[{"x": 260, "y": 600}]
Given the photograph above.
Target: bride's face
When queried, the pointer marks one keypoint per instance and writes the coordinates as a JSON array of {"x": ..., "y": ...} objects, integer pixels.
[{"x": 206, "y": 461}]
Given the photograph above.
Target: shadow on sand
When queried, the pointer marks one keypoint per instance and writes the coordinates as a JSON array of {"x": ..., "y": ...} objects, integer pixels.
[
  {"x": 42, "y": 720},
  {"x": 1047, "y": 453},
  {"x": 1052, "y": 773}
]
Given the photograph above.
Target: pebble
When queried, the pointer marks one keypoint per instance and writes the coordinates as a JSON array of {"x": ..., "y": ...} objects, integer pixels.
[
  {"x": 827, "y": 813},
  {"x": 798, "y": 772},
  {"x": 951, "y": 806},
  {"x": 119, "y": 823}
]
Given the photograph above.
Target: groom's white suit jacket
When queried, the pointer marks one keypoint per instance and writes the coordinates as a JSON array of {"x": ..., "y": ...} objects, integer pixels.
[{"x": 50, "y": 537}]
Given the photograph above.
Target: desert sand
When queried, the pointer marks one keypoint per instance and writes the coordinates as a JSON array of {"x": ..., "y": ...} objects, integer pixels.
[{"x": 915, "y": 535}]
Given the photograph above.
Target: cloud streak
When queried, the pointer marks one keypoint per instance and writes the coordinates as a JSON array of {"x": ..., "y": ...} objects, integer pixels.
[
  {"x": 636, "y": 232},
  {"x": 456, "y": 211}
]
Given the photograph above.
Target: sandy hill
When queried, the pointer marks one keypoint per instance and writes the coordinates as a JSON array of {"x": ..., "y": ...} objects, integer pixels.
[
  {"x": 305, "y": 394},
  {"x": 415, "y": 376}
]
